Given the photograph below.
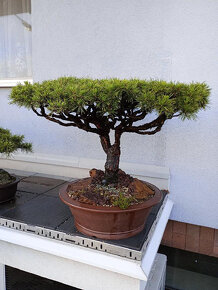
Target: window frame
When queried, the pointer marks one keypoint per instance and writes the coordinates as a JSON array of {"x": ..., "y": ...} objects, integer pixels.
[{"x": 9, "y": 83}]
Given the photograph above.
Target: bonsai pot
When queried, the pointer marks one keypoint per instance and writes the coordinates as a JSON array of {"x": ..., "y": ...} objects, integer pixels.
[
  {"x": 110, "y": 222},
  {"x": 8, "y": 190}
]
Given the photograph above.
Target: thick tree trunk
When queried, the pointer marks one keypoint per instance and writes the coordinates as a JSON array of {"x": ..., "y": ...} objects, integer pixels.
[{"x": 112, "y": 164}]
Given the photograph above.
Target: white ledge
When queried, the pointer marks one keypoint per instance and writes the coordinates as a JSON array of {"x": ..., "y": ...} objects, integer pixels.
[
  {"x": 9, "y": 83},
  {"x": 75, "y": 167},
  {"x": 76, "y": 253}
]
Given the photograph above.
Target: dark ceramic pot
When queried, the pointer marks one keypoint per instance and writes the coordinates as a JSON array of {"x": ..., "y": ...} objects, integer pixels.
[
  {"x": 7, "y": 191},
  {"x": 110, "y": 222}
]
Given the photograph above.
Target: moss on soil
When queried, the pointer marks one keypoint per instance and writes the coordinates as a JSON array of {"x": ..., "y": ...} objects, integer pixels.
[
  {"x": 104, "y": 195},
  {"x": 5, "y": 177},
  {"x": 92, "y": 191}
]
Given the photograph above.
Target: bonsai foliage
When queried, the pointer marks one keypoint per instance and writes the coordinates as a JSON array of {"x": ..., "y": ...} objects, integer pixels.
[
  {"x": 10, "y": 143},
  {"x": 99, "y": 106}
]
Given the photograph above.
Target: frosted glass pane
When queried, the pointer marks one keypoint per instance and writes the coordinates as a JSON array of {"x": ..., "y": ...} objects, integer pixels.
[{"x": 15, "y": 39}]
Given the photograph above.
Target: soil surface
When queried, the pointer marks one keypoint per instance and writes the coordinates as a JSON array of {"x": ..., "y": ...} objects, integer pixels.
[
  {"x": 127, "y": 192},
  {"x": 5, "y": 177}
]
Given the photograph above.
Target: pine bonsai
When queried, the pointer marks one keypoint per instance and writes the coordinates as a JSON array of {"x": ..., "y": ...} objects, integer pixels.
[
  {"x": 104, "y": 105},
  {"x": 10, "y": 143}
]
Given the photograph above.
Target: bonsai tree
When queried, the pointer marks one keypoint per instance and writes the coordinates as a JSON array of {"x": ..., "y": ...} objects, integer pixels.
[
  {"x": 9, "y": 144},
  {"x": 99, "y": 107},
  {"x": 104, "y": 105}
]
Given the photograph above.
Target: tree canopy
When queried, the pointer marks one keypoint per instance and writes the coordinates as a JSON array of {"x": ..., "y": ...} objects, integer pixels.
[{"x": 103, "y": 104}]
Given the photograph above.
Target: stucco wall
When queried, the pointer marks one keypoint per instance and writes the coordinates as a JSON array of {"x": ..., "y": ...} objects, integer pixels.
[{"x": 167, "y": 39}]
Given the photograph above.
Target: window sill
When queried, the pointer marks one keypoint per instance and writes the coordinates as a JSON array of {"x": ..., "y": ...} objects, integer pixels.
[{"x": 8, "y": 83}]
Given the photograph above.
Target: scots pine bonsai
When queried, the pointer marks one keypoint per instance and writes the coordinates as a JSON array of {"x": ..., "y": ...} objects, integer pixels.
[
  {"x": 104, "y": 105},
  {"x": 10, "y": 143}
]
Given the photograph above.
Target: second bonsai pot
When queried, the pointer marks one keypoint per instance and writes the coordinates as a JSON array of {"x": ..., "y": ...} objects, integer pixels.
[
  {"x": 8, "y": 190},
  {"x": 110, "y": 222}
]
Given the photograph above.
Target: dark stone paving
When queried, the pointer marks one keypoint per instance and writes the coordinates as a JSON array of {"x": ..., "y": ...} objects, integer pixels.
[
  {"x": 37, "y": 203},
  {"x": 20, "y": 199},
  {"x": 38, "y": 184},
  {"x": 44, "y": 211},
  {"x": 55, "y": 191}
]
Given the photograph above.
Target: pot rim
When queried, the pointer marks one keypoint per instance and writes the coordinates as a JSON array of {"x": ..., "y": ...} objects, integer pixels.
[
  {"x": 10, "y": 183},
  {"x": 114, "y": 209}
]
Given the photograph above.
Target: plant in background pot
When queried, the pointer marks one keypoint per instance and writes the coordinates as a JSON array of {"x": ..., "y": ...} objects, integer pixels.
[
  {"x": 9, "y": 144},
  {"x": 111, "y": 204}
]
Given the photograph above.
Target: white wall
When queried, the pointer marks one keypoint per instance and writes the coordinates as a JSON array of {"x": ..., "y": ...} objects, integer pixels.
[{"x": 167, "y": 39}]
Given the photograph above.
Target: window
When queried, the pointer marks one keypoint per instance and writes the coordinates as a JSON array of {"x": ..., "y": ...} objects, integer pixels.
[{"x": 15, "y": 39}]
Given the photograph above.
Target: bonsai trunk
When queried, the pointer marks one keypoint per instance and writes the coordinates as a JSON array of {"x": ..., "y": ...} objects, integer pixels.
[{"x": 112, "y": 164}]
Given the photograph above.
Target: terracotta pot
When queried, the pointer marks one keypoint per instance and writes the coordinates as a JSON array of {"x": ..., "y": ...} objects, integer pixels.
[
  {"x": 110, "y": 222},
  {"x": 7, "y": 191}
]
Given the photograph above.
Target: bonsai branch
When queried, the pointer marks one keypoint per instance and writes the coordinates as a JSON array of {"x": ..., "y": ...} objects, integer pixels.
[
  {"x": 145, "y": 128},
  {"x": 70, "y": 120},
  {"x": 150, "y": 132}
]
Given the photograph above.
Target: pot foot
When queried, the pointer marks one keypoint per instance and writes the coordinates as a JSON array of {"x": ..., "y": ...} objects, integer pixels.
[{"x": 108, "y": 236}]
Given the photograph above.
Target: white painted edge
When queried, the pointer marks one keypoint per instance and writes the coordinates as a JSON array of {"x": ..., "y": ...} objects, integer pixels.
[
  {"x": 86, "y": 163},
  {"x": 75, "y": 167},
  {"x": 8, "y": 83},
  {"x": 155, "y": 241},
  {"x": 2, "y": 277},
  {"x": 76, "y": 253}
]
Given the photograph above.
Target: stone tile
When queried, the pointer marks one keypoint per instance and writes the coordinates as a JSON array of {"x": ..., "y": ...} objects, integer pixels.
[
  {"x": 20, "y": 198},
  {"x": 73, "y": 179},
  {"x": 167, "y": 237},
  {"x": 193, "y": 231},
  {"x": 45, "y": 211},
  {"x": 215, "y": 250},
  {"x": 54, "y": 176},
  {"x": 163, "y": 242},
  {"x": 38, "y": 184},
  {"x": 21, "y": 177},
  {"x": 166, "y": 243},
  {"x": 206, "y": 247},
  {"x": 192, "y": 244},
  {"x": 169, "y": 227},
  {"x": 216, "y": 238},
  {"x": 55, "y": 191},
  {"x": 206, "y": 233},
  {"x": 178, "y": 241},
  {"x": 20, "y": 172},
  {"x": 179, "y": 227}
]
